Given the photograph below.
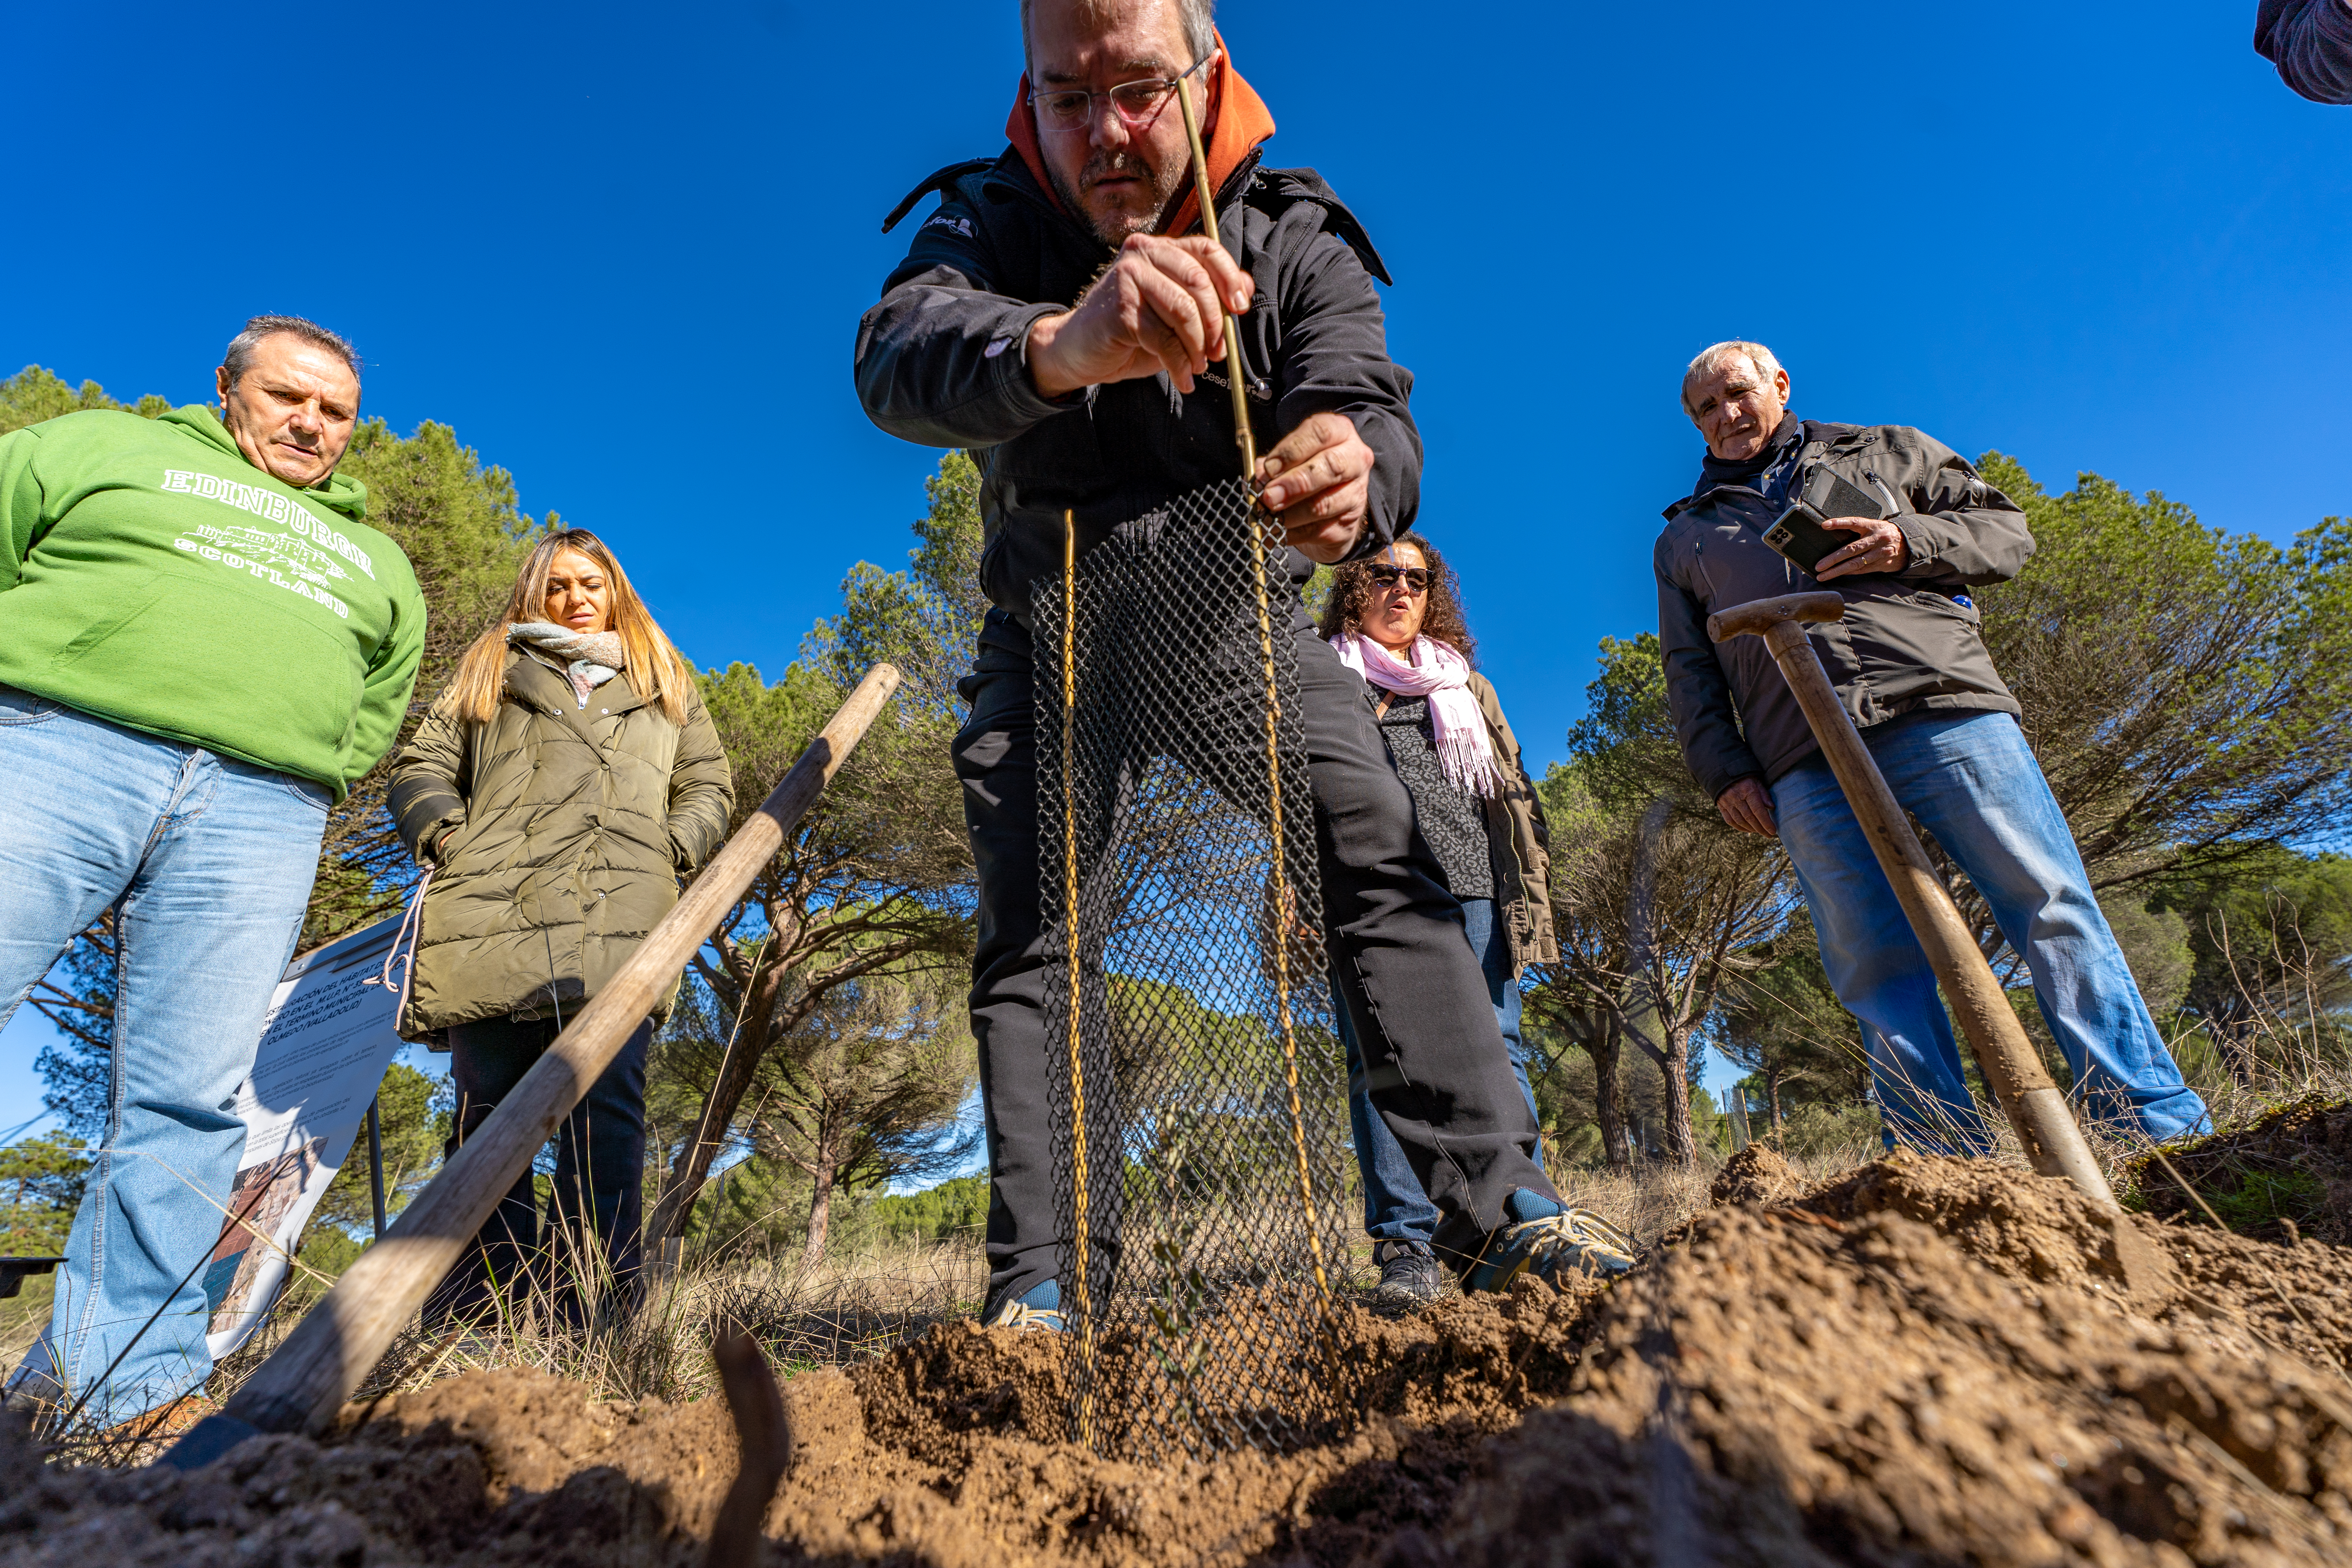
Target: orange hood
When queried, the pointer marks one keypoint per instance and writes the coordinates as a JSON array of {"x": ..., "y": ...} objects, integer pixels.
[{"x": 1238, "y": 121}]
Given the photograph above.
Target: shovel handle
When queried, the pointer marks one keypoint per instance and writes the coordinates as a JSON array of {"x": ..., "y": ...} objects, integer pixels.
[
  {"x": 1761, "y": 615},
  {"x": 2054, "y": 1144}
]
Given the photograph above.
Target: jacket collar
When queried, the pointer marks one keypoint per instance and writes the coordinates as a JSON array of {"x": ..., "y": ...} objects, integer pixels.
[
  {"x": 1015, "y": 179},
  {"x": 1808, "y": 433},
  {"x": 536, "y": 683},
  {"x": 1714, "y": 470},
  {"x": 337, "y": 493}
]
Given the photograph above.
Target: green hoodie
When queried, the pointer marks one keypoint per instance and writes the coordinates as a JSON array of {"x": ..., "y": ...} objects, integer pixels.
[{"x": 152, "y": 577}]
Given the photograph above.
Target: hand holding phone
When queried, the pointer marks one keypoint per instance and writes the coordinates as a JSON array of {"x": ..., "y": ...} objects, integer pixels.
[
  {"x": 1808, "y": 536},
  {"x": 1877, "y": 547}
]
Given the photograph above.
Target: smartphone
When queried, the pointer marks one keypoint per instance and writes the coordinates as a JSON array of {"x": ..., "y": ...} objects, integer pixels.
[{"x": 1798, "y": 534}]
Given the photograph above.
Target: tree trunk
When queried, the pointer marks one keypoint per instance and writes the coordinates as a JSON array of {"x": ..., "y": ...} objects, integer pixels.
[
  {"x": 755, "y": 1032},
  {"x": 2235, "y": 1036},
  {"x": 822, "y": 1170},
  {"x": 1607, "y": 1048},
  {"x": 1682, "y": 1138},
  {"x": 1772, "y": 1094},
  {"x": 1647, "y": 995}
]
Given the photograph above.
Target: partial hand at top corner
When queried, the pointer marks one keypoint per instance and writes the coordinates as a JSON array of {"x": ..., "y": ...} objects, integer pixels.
[
  {"x": 1160, "y": 306},
  {"x": 1317, "y": 480}
]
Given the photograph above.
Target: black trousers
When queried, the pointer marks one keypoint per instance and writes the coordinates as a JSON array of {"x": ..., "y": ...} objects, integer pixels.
[
  {"x": 599, "y": 1182},
  {"x": 1442, "y": 1078}
]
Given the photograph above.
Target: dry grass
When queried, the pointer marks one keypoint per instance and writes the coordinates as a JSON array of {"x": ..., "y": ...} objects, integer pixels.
[
  {"x": 22, "y": 1316},
  {"x": 850, "y": 1306},
  {"x": 656, "y": 1345}
]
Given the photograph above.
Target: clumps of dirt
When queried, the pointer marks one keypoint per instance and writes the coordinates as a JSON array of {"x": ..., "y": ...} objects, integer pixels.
[
  {"x": 1786, "y": 1390},
  {"x": 1928, "y": 1362},
  {"x": 1755, "y": 1175},
  {"x": 2285, "y": 1175}
]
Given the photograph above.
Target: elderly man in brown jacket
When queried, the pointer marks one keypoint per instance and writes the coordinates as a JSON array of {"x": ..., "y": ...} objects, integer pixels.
[{"x": 1910, "y": 665}]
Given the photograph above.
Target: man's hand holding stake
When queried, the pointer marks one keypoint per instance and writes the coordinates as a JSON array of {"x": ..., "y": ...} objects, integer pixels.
[
  {"x": 1318, "y": 480},
  {"x": 1161, "y": 307}
]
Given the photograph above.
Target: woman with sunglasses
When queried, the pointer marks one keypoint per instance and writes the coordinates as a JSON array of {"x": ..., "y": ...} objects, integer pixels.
[{"x": 1396, "y": 620}]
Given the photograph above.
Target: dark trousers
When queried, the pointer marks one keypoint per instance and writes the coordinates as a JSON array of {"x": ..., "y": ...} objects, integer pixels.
[
  {"x": 1440, "y": 1076},
  {"x": 599, "y": 1183}
]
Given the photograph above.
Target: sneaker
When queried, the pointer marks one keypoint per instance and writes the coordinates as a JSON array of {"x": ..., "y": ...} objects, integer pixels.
[
  {"x": 1041, "y": 1307},
  {"x": 1410, "y": 1275},
  {"x": 1552, "y": 1242}
]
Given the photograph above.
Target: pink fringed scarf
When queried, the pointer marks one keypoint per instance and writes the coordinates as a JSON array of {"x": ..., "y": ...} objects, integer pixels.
[{"x": 1442, "y": 675}]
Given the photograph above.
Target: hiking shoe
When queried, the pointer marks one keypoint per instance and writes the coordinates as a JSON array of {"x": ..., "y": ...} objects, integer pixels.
[
  {"x": 1410, "y": 1275},
  {"x": 1549, "y": 1241},
  {"x": 1041, "y": 1307}
]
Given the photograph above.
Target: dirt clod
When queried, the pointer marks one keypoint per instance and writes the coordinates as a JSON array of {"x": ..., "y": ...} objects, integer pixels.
[
  {"x": 1928, "y": 1361},
  {"x": 1757, "y": 1174}
]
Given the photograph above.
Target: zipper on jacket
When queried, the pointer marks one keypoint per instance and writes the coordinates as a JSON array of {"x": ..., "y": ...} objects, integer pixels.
[
  {"x": 1699, "y": 553},
  {"x": 1892, "y": 506}
]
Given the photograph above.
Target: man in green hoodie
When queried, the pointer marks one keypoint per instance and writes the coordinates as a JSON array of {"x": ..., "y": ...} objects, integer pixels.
[{"x": 202, "y": 645}]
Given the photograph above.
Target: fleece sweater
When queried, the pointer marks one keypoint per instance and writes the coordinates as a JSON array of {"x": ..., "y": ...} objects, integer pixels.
[{"x": 152, "y": 577}]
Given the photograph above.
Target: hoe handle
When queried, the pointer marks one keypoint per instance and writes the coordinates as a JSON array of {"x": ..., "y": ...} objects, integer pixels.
[
  {"x": 2013, "y": 1069},
  {"x": 1762, "y": 614},
  {"x": 307, "y": 1377}
]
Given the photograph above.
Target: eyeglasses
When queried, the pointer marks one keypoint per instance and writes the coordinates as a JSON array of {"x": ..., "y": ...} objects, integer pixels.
[
  {"x": 1137, "y": 103},
  {"x": 1413, "y": 577}
]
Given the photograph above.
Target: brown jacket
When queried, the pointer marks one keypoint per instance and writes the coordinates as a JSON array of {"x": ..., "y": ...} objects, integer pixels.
[{"x": 1515, "y": 818}]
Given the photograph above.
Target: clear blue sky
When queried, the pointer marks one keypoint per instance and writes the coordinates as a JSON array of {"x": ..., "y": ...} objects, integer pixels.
[{"x": 622, "y": 251}]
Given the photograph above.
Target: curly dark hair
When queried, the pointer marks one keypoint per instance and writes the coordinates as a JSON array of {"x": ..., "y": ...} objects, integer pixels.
[{"x": 1351, "y": 590}]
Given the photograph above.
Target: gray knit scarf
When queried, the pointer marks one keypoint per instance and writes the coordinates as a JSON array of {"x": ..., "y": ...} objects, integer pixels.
[{"x": 590, "y": 658}]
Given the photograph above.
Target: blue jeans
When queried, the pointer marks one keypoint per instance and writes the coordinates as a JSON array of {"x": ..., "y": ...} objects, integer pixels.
[
  {"x": 1972, "y": 780},
  {"x": 209, "y": 862},
  {"x": 1395, "y": 1208}
]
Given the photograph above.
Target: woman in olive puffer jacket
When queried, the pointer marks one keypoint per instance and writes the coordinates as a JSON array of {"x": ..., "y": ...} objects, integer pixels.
[{"x": 557, "y": 792}]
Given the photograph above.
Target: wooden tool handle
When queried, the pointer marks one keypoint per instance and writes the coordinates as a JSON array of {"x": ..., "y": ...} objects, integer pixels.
[
  {"x": 1762, "y": 614},
  {"x": 308, "y": 1377},
  {"x": 2013, "y": 1069}
]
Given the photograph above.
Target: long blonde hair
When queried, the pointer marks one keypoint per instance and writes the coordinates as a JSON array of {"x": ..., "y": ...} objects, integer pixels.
[{"x": 654, "y": 667}]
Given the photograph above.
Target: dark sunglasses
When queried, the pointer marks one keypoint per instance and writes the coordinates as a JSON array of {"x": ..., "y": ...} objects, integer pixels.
[{"x": 1414, "y": 577}]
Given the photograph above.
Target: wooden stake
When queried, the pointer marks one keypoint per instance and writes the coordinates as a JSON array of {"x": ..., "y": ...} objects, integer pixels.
[
  {"x": 1235, "y": 370},
  {"x": 333, "y": 1349},
  {"x": 764, "y": 1439}
]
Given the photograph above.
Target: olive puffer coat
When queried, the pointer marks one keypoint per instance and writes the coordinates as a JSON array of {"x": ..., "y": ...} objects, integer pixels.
[{"x": 574, "y": 823}]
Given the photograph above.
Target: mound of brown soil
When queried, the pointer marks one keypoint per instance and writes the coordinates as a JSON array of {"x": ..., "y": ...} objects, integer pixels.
[
  {"x": 1757, "y": 1174},
  {"x": 1926, "y": 1363},
  {"x": 2288, "y": 1173}
]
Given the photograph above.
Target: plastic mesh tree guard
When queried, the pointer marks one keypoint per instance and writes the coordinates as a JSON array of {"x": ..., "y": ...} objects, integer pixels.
[{"x": 1202, "y": 1162}]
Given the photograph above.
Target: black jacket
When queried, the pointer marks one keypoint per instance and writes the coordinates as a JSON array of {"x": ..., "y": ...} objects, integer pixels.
[
  {"x": 2310, "y": 41},
  {"x": 1908, "y": 642},
  {"x": 942, "y": 359}
]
